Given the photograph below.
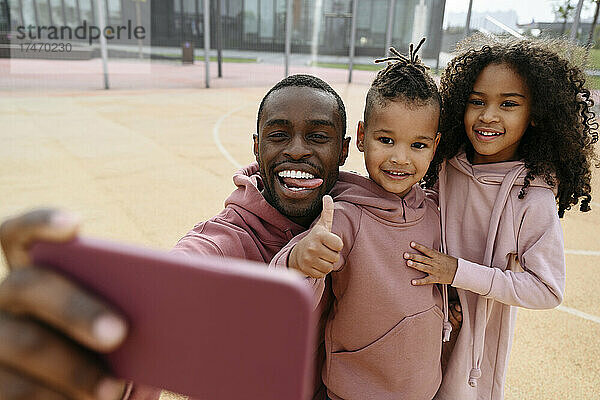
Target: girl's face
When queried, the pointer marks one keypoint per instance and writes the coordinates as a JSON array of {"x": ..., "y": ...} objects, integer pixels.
[
  {"x": 399, "y": 142},
  {"x": 497, "y": 114}
]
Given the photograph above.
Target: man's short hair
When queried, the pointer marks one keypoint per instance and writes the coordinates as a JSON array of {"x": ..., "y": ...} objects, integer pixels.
[{"x": 302, "y": 80}]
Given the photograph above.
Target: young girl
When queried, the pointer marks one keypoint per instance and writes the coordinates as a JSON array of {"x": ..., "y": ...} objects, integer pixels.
[
  {"x": 517, "y": 136},
  {"x": 383, "y": 336}
]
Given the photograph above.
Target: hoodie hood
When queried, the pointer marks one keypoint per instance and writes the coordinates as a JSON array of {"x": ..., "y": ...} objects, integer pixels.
[
  {"x": 494, "y": 173},
  {"x": 377, "y": 201},
  {"x": 268, "y": 223}
]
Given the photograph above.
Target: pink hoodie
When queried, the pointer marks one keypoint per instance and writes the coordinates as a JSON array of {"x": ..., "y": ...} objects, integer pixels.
[
  {"x": 484, "y": 222},
  {"x": 248, "y": 228},
  {"x": 383, "y": 338}
]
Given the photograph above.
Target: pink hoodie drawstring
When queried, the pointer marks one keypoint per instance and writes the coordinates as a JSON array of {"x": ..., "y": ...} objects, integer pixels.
[
  {"x": 474, "y": 375},
  {"x": 484, "y": 305},
  {"x": 447, "y": 325}
]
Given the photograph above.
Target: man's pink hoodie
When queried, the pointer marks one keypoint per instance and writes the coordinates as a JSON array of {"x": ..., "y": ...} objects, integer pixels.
[
  {"x": 249, "y": 228},
  {"x": 383, "y": 338},
  {"x": 484, "y": 222}
]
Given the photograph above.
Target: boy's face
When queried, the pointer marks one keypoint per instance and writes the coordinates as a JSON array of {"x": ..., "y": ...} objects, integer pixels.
[{"x": 399, "y": 142}]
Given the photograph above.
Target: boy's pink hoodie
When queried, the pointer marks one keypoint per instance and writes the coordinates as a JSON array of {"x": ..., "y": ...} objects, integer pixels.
[
  {"x": 484, "y": 222},
  {"x": 249, "y": 228},
  {"x": 383, "y": 338}
]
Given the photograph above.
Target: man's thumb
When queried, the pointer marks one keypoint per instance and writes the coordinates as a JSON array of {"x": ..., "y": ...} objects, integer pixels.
[{"x": 326, "y": 218}]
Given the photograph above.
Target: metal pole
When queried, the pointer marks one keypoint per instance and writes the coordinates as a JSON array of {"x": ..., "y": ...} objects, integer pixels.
[
  {"x": 288, "y": 36},
  {"x": 468, "y": 23},
  {"x": 576, "y": 19},
  {"x": 50, "y": 13},
  {"x": 64, "y": 12},
  {"x": 94, "y": 17},
  {"x": 352, "y": 40},
  {"x": 219, "y": 43},
  {"x": 138, "y": 20},
  {"x": 390, "y": 27},
  {"x": 35, "y": 14},
  {"x": 78, "y": 12},
  {"x": 21, "y": 12},
  {"x": 103, "y": 45},
  {"x": 438, "y": 44},
  {"x": 206, "y": 4}
]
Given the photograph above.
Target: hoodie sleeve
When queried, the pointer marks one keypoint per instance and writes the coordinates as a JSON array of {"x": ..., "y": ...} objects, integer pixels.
[
  {"x": 539, "y": 281},
  {"x": 346, "y": 220},
  {"x": 195, "y": 243},
  {"x": 224, "y": 235}
]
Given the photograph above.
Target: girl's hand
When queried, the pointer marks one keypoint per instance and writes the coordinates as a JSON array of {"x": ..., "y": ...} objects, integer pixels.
[{"x": 440, "y": 267}]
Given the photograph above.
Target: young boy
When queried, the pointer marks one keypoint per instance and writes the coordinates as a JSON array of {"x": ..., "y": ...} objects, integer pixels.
[{"x": 383, "y": 337}]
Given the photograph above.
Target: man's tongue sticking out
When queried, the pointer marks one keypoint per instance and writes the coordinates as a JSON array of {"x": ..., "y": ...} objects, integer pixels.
[{"x": 302, "y": 183}]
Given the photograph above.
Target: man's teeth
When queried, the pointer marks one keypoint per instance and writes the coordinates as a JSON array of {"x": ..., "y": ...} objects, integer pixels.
[
  {"x": 295, "y": 174},
  {"x": 482, "y": 133}
]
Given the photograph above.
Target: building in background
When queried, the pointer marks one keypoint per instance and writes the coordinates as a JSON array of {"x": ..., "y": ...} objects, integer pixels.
[{"x": 321, "y": 26}]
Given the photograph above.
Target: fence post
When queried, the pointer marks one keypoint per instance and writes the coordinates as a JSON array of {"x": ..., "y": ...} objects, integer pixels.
[
  {"x": 352, "y": 40},
  {"x": 288, "y": 35},
  {"x": 390, "y": 28},
  {"x": 206, "y": 4},
  {"x": 103, "y": 45}
]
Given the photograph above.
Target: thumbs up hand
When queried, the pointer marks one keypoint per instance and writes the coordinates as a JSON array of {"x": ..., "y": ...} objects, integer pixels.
[{"x": 316, "y": 254}]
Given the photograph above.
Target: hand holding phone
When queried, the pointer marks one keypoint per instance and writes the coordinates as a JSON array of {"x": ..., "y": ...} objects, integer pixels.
[
  {"x": 206, "y": 327},
  {"x": 46, "y": 320}
]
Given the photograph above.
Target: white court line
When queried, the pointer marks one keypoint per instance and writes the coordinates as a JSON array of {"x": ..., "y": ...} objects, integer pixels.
[
  {"x": 579, "y": 314},
  {"x": 582, "y": 252},
  {"x": 573, "y": 311},
  {"x": 217, "y": 140}
]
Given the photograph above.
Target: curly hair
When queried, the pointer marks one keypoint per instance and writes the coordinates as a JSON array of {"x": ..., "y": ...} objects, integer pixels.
[
  {"x": 559, "y": 148},
  {"x": 406, "y": 78}
]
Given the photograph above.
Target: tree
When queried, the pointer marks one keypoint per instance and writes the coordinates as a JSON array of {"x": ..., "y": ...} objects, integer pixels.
[
  {"x": 562, "y": 11},
  {"x": 594, "y": 22}
]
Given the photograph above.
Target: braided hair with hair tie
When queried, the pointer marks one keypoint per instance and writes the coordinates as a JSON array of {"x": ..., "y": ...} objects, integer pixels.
[{"x": 405, "y": 78}]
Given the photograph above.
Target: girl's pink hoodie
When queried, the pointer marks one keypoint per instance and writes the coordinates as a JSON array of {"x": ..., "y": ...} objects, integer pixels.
[
  {"x": 383, "y": 337},
  {"x": 484, "y": 222}
]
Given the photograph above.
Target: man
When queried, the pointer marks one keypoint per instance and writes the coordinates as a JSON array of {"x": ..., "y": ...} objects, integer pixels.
[{"x": 48, "y": 325}]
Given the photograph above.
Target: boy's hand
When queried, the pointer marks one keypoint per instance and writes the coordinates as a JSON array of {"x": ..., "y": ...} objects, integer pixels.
[
  {"x": 440, "y": 267},
  {"x": 316, "y": 253}
]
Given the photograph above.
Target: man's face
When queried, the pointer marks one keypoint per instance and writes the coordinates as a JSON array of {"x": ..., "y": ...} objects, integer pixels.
[{"x": 299, "y": 149}]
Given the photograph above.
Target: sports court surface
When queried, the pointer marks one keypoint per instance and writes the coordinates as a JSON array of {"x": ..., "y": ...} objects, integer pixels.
[{"x": 145, "y": 165}]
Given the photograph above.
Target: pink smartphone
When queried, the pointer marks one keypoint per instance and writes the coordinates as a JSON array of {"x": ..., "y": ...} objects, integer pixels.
[{"x": 206, "y": 327}]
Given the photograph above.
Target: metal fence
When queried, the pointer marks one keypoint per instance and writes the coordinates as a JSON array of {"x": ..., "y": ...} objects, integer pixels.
[{"x": 287, "y": 33}]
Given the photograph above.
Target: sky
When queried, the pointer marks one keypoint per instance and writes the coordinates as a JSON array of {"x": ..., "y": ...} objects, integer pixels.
[{"x": 540, "y": 10}]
